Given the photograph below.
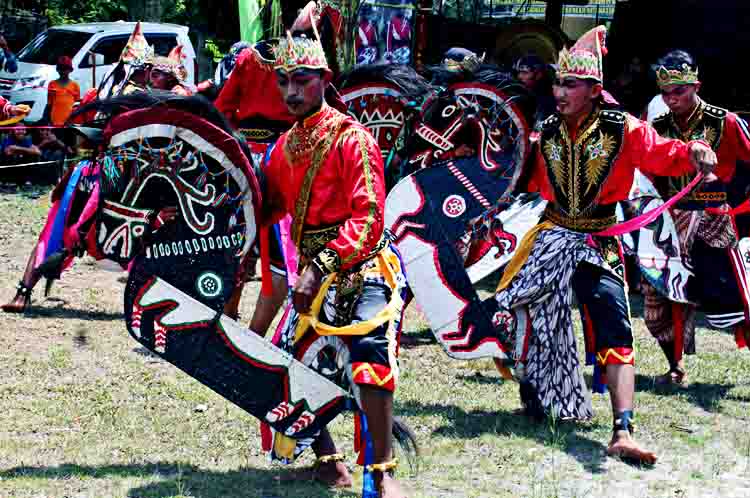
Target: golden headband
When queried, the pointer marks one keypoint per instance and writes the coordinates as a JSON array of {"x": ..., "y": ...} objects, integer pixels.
[
  {"x": 684, "y": 76},
  {"x": 299, "y": 53}
]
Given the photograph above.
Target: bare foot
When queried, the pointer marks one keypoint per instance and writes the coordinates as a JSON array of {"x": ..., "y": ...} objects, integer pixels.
[
  {"x": 390, "y": 488},
  {"x": 19, "y": 304},
  {"x": 331, "y": 474},
  {"x": 623, "y": 446}
]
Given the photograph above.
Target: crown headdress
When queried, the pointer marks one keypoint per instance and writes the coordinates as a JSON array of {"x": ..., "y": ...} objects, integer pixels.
[
  {"x": 299, "y": 52},
  {"x": 137, "y": 52},
  {"x": 682, "y": 76},
  {"x": 584, "y": 59},
  {"x": 172, "y": 64}
]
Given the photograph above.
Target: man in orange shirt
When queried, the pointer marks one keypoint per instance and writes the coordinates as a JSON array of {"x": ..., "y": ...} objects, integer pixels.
[{"x": 62, "y": 93}]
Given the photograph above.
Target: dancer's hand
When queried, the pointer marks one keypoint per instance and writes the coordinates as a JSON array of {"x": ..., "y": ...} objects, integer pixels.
[
  {"x": 702, "y": 157},
  {"x": 307, "y": 288}
]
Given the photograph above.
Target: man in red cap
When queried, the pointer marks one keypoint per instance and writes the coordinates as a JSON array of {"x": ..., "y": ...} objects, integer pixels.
[
  {"x": 584, "y": 165},
  {"x": 62, "y": 93}
]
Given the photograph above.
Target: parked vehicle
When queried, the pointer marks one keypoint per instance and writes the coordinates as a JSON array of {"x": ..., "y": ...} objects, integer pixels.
[{"x": 95, "y": 48}]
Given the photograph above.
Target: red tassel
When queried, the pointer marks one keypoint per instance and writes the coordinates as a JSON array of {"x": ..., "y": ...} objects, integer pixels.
[
  {"x": 739, "y": 335},
  {"x": 266, "y": 437},
  {"x": 358, "y": 441},
  {"x": 588, "y": 332},
  {"x": 678, "y": 321},
  {"x": 265, "y": 263}
]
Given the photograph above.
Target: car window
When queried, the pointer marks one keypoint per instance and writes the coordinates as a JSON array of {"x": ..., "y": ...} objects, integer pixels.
[
  {"x": 162, "y": 43},
  {"x": 110, "y": 47},
  {"x": 53, "y": 43}
]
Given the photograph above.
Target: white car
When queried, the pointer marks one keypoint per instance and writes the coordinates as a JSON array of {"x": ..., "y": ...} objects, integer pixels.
[{"x": 37, "y": 60}]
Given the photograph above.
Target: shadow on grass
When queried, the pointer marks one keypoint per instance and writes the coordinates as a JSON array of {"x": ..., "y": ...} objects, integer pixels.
[
  {"x": 416, "y": 338},
  {"x": 68, "y": 313},
  {"x": 703, "y": 395},
  {"x": 170, "y": 479},
  {"x": 567, "y": 436}
]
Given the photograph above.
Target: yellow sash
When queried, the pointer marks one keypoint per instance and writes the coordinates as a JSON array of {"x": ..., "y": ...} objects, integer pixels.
[{"x": 389, "y": 265}]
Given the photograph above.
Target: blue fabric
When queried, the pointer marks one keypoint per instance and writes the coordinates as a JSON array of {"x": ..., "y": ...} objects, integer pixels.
[
  {"x": 368, "y": 480},
  {"x": 55, "y": 242},
  {"x": 8, "y": 61},
  {"x": 11, "y": 140}
]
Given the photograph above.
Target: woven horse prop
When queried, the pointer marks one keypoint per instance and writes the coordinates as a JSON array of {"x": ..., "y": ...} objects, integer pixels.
[
  {"x": 177, "y": 206},
  {"x": 461, "y": 148}
]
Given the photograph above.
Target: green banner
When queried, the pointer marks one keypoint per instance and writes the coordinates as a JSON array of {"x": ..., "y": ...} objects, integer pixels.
[{"x": 251, "y": 20}]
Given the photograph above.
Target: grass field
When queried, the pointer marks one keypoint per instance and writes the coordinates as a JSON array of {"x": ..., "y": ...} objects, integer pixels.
[{"x": 87, "y": 412}]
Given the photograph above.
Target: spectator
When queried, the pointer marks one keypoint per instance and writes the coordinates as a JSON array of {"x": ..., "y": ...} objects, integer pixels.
[
  {"x": 8, "y": 61},
  {"x": 535, "y": 76},
  {"x": 18, "y": 146},
  {"x": 62, "y": 93},
  {"x": 52, "y": 148}
]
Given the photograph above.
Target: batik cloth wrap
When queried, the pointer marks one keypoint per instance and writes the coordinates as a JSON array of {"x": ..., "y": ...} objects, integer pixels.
[
  {"x": 547, "y": 356},
  {"x": 714, "y": 231}
]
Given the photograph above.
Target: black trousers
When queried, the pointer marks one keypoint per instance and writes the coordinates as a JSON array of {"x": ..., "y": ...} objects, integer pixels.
[{"x": 605, "y": 299}]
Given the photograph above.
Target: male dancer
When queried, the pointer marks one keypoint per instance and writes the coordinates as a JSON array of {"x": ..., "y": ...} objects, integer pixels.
[
  {"x": 327, "y": 171},
  {"x": 583, "y": 167},
  {"x": 690, "y": 118}
]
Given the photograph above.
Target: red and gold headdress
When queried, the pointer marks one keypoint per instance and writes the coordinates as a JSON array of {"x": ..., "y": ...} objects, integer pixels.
[
  {"x": 172, "y": 64},
  {"x": 137, "y": 53},
  {"x": 300, "y": 52},
  {"x": 584, "y": 59},
  {"x": 682, "y": 76}
]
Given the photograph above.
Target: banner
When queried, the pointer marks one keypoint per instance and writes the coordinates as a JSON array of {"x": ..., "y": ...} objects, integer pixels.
[{"x": 251, "y": 20}]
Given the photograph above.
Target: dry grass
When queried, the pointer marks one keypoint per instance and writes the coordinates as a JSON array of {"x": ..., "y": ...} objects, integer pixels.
[{"x": 89, "y": 413}]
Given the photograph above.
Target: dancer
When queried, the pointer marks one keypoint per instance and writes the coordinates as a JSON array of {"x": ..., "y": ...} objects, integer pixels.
[
  {"x": 690, "y": 118},
  {"x": 584, "y": 165},
  {"x": 327, "y": 171},
  {"x": 128, "y": 76}
]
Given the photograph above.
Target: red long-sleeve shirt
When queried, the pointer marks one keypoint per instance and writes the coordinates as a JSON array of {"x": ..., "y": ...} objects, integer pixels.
[
  {"x": 251, "y": 92},
  {"x": 348, "y": 189},
  {"x": 642, "y": 148},
  {"x": 4, "y": 108}
]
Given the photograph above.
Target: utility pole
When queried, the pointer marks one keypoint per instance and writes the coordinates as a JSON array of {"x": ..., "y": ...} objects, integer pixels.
[{"x": 553, "y": 14}]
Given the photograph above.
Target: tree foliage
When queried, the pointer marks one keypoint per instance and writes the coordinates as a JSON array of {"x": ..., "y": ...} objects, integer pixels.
[{"x": 77, "y": 11}]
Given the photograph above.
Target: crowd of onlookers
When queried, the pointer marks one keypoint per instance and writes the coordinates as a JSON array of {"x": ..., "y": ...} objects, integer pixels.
[{"x": 43, "y": 143}]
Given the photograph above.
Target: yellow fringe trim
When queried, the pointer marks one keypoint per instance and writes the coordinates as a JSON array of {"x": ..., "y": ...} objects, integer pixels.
[
  {"x": 626, "y": 360},
  {"x": 367, "y": 366},
  {"x": 383, "y": 467}
]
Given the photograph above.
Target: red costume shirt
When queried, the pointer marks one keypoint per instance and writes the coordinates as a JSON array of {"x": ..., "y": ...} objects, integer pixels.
[
  {"x": 4, "y": 108},
  {"x": 327, "y": 172},
  {"x": 252, "y": 92},
  {"x": 367, "y": 35},
  {"x": 593, "y": 166},
  {"x": 399, "y": 34},
  {"x": 724, "y": 131}
]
